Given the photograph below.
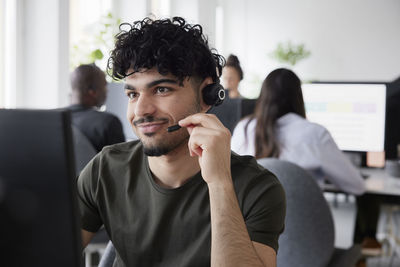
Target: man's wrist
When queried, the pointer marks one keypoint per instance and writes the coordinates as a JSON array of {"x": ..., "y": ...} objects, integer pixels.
[{"x": 221, "y": 183}]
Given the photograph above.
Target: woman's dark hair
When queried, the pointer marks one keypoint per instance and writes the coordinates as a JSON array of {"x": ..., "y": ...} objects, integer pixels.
[
  {"x": 280, "y": 94},
  {"x": 233, "y": 61},
  {"x": 169, "y": 45}
]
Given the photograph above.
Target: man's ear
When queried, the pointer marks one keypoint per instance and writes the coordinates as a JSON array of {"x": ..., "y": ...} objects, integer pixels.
[{"x": 204, "y": 106}]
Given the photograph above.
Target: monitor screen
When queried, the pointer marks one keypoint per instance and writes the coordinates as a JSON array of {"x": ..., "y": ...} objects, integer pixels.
[
  {"x": 39, "y": 223},
  {"x": 353, "y": 113}
]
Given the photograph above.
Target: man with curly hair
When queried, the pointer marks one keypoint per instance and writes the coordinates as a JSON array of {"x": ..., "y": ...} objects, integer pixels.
[{"x": 177, "y": 198}]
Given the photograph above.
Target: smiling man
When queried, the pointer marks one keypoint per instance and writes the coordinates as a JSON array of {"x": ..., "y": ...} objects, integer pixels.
[
  {"x": 177, "y": 198},
  {"x": 154, "y": 103}
]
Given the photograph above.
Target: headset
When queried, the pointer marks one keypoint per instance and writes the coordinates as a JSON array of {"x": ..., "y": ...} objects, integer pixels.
[{"x": 213, "y": 95}]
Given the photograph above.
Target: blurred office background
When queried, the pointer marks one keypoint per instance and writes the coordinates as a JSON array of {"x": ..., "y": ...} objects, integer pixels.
[{"x": 348, "y": 40}]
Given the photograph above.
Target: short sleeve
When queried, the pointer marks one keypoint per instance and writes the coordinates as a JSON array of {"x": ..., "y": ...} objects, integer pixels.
[
  {"x": 266, "y": 210},
  {"x": 87, "y": 184}
]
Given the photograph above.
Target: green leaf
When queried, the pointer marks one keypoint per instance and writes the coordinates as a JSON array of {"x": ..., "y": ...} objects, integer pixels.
[
  {"x": 97, "y": 54},
  {"x": 290, "y": 53}
]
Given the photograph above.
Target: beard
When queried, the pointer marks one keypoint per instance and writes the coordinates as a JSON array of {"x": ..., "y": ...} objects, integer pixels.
[
  {"x": 156, "y": 151},
  {"x": 163, "y": 149},
  {"x": 167, "y": 142}
]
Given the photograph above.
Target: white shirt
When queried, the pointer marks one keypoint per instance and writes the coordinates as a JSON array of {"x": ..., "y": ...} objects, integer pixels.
[{"x": 308, "y": 145}]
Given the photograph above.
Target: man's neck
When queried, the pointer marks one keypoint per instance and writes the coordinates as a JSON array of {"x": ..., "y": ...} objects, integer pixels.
[
  {"x": 85, "y": 102},
  {"x": 173, "y": 170}
]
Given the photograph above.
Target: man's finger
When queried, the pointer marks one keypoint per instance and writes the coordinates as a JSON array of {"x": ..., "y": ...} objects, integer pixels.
[{"x": 205, "y": 120}]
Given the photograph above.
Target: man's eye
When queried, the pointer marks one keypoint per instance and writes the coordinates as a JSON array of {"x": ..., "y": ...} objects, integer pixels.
[
  {"x": 162, "y": 90},
  {"x": 131, "y": 95}
]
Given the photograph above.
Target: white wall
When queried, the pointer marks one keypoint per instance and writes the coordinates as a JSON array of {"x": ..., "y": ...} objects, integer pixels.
[
  {"x": 197, "y": 12},
  {"x": 41, "y": 61},
  {"x": 349, "y": 40},
  {"x": 130, "y": 11},
  {"x": 12, "y": 52}
]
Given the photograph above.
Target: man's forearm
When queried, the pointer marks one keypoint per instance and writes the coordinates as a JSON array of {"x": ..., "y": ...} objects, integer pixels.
[{"x": 230, "y": 241}]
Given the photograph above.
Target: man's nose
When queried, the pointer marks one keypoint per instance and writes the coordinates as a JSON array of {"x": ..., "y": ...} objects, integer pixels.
[{"x": 144, "y": 106}]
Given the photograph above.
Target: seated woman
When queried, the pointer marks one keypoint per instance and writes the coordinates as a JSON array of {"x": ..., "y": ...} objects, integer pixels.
[
  {"x": 279, "y": 128},
  {"x": 232, "y": 74}
]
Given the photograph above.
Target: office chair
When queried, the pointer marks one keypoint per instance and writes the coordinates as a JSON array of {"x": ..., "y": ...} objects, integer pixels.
[
  {"x": 107, "y": 260},
  {"x": 308, "y": 239}
]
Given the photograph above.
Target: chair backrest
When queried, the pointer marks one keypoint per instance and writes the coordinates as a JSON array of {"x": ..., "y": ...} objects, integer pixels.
[
  {"x": 308, "y": 239},
  {"x": 84, "y": 151},
  {"x": 108, "y": 258}
]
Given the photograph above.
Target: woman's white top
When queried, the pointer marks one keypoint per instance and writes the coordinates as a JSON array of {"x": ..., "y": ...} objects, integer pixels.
[{"x": 308, "y": 145}]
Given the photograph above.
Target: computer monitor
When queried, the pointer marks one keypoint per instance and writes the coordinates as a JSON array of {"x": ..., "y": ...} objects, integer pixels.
[
  {"x": 354, "y": 113},
  {"x": 39, "y": 222},
  {"x": 392, "y": 129}
]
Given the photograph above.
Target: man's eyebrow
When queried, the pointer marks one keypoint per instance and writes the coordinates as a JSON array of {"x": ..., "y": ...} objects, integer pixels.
[
  {"x": 154, "y": 83},
  {"x": 129, "y": 87}
]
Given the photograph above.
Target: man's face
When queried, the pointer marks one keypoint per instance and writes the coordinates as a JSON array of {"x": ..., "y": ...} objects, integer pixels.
[
  {"x": 156, "y": 102},
  {"x": 230, "y": 78}
]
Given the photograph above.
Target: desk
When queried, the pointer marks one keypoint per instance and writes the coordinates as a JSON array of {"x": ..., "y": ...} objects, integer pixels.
[
  {"x": 380, "y": 183},
  {"x": 381, "y": 188}
]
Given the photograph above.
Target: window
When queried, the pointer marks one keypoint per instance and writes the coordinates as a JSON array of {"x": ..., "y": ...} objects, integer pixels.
[
  {"x": 2, "y": 30},
  {"x": 92, "y": 27},
  {"x": 8, "y": 51}
]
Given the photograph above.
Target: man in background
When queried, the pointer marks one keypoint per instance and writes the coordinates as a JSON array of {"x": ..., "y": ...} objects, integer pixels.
[{"x": 89, "y": 92}]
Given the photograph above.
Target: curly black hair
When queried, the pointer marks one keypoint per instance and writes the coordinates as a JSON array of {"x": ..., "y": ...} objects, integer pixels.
[{"x": 170, "y": 45}]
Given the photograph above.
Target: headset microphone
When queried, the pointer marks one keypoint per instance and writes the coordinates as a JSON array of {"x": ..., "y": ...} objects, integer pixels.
[
  {"x": 173, "y": 128},
  {"x": 213, "y": 95}
]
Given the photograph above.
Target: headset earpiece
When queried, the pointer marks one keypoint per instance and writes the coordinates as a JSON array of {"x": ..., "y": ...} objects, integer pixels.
[{"x": 213, "y": 94}]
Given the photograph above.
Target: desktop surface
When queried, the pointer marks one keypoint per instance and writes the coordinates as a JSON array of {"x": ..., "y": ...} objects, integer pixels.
[
  {"x": 380, "y": 182},
  {"x": 377, "y": 182},
  {"x": 353, "y": 113},
  {"x": 39, "y": 218}
]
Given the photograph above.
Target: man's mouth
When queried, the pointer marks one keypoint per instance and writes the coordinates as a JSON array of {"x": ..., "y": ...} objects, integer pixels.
[{"x": 150, "y": 127}]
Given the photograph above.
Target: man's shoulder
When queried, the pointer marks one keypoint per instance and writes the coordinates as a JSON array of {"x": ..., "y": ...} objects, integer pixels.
[
  {"x": 258, "y": 190},
  {"x": 114, "y": 161},
  {"x": 122, "y": 151},
  {"x": 245, "y": 169},
  {"x": 125, "y": 147},
  {"x": 118, "y": 157}
]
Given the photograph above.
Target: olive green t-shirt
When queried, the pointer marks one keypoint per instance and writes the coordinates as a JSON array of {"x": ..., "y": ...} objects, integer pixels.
[{"x": 154, "y": 226}]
